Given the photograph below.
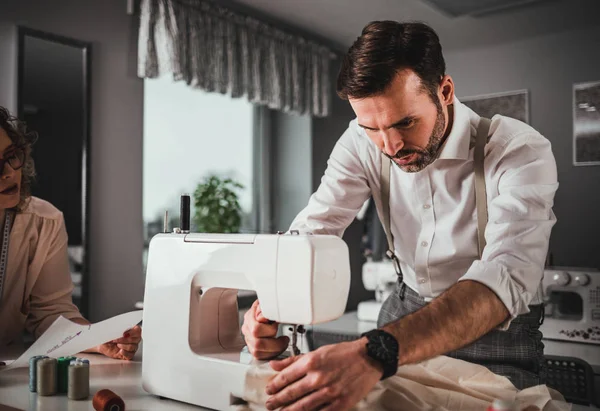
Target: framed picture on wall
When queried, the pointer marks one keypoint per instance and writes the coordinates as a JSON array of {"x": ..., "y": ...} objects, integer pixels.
[
  {"x": 513, "y": 104},
  {"x": 586, "y": 124}
]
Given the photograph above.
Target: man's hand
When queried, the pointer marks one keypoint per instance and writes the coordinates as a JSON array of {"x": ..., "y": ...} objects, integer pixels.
[
  {"x": 334, "y": 377},
  {"x": 260, "y": 333},
  {"x": 123, "y": 348}
]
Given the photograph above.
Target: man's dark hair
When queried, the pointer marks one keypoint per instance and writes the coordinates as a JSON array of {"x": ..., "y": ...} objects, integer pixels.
[
  {"x": 384, "y": 48},
  {"x": 20, "y": 136}
]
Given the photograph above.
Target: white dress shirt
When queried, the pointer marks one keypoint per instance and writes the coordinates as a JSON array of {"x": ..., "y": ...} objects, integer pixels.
[{"x": 433, "y": 214}]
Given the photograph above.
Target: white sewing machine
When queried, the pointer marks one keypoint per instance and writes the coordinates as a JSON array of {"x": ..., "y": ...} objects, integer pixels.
[
  {"x": 191, "y": 330},
  {"x": 381, "y": 277}
]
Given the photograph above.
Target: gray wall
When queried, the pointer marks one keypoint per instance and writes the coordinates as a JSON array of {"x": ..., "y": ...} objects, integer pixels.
[
  {"x": 547, "y": 66},
  {"x": 292, "y": 158},
  {"x": 325, "y": 133},
  {"x": 116, "y": 281}
]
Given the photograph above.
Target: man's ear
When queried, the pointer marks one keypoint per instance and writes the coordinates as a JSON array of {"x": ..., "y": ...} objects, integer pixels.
[{"x": 447, "y": 90}]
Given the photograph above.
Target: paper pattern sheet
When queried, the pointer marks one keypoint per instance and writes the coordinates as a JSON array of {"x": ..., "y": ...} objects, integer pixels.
[{"x": 65, "y": 337}]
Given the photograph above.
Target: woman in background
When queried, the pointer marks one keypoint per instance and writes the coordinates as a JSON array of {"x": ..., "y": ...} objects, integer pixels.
[{"x": 35, "y": 281}]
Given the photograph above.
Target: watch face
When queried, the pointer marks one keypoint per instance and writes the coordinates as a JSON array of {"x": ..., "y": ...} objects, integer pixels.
[{"x": 384, "y": 346}]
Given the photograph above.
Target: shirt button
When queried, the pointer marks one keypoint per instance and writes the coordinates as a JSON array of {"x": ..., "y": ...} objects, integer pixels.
[
  {"x": 422, "y": 280},
  {"x": 424, "y": 243},
  {"x": 426, "y": 206}
]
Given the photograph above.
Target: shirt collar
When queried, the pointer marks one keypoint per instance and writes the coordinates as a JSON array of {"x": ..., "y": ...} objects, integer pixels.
[{"x": 457, "y": 143}]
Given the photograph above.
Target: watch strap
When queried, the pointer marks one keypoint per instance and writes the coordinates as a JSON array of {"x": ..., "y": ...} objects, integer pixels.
[{"x": 386, "y": 355}]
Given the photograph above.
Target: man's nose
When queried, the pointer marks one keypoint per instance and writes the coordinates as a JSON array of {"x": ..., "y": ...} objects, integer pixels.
[{"x": 391, "y": 143}]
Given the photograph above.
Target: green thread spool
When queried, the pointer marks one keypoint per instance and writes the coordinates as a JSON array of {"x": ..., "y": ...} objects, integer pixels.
[
  {"x": 63, "y": 374},
  {"x": 46, "y": 376}
]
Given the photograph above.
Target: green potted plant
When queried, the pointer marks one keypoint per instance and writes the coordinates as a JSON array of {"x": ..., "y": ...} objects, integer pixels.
[{"x": 217, "y": 205}]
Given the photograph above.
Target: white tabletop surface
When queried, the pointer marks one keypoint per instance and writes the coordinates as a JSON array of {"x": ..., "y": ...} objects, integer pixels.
[{"x": 121, "y": 377}]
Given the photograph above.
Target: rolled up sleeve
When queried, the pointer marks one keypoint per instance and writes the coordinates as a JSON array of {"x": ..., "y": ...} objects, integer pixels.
[
  {"x": 520, "y": 220},
  {"x": 342, "y": 192}
]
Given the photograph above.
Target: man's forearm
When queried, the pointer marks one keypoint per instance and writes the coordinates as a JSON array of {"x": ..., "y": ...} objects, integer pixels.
[{"x": 459, "y": 316}]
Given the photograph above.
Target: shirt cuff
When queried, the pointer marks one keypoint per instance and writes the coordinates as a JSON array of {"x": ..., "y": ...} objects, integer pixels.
[{"x": 498, "y": 279}]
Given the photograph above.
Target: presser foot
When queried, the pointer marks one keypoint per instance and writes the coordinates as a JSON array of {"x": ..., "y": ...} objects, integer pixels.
[{"x": 296, "y": 329}]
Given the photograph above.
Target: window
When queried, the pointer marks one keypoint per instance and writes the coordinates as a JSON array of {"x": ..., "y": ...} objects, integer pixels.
[{"x": 188, "y": 134}]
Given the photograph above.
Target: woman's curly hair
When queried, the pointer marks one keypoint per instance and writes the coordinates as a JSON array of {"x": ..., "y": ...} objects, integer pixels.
[{"x": 19, "y": 134}]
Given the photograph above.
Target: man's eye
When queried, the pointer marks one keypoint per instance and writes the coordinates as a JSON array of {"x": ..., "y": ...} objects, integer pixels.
[{"x": 406, "y": 124}]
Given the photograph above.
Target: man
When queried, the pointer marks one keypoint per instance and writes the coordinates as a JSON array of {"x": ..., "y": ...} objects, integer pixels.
[{"x": 449, "y": 300}]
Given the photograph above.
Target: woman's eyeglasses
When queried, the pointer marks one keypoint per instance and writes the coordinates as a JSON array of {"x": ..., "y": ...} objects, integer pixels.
[{"x": 14, "y": 157}]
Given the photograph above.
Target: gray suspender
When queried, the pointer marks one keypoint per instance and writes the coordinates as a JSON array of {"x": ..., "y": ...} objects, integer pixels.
[
  {"x": 385, "y": 201},
  {"x": 483, "y": 131}
]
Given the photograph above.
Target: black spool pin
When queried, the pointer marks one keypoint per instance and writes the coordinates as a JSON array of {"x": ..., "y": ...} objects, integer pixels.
[{"x": 184, "y": 213}]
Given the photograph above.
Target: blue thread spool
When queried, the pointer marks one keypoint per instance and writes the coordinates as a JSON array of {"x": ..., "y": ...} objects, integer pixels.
[{"x": 33, "y": 372}]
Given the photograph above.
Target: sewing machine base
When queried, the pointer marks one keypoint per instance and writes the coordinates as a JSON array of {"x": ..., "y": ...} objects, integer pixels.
[{"x": 185, "y": 385}]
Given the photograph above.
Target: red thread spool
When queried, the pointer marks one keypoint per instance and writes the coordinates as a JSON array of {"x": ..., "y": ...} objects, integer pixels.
[{"x": 106, "y": 400}]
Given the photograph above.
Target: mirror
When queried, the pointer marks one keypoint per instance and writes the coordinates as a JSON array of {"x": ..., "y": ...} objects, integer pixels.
[{"x": 53, "y": 99}]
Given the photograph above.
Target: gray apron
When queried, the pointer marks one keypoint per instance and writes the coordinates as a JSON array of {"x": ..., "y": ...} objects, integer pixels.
[{"x": 517, "y": 353}]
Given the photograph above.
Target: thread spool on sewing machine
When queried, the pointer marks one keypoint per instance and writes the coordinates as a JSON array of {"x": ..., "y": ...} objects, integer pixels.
[{"x": 298, "y": 279}]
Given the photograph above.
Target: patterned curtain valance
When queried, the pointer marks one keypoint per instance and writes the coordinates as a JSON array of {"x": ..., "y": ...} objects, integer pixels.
[{"x": 215, "y": 49}]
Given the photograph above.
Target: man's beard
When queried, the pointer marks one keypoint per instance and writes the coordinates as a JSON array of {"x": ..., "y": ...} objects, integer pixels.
[{"x": 425, "y": 156}]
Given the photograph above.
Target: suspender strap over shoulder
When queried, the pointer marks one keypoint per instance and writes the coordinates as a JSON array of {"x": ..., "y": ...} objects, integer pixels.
[
  {"x": 480, "y": 193},
  {"x": 385, "y": 201},
  {"x": 483, "y": 130},
  {"x": 386, "y": 164}
]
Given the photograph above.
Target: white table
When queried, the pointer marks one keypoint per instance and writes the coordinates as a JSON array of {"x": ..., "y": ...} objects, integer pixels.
[{"x": 121, "y": 377}]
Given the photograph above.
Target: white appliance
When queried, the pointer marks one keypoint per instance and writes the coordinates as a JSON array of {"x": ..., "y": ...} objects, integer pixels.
[
  {"x": 571, "y": 325},
  {"x": 192, "y": 339},
  {"x": 381, "y": 277},
  {"x": 572, "y": 305}
]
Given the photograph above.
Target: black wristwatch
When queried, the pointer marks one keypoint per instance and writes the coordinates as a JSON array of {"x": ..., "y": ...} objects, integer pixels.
[{"x": 383, "y": 348}]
